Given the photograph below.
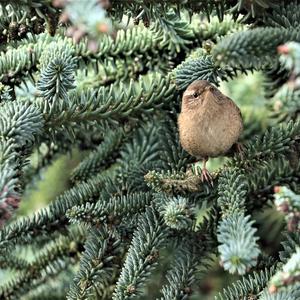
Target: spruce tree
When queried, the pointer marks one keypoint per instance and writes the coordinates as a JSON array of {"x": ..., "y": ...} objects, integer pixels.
[{"x": 105, "y": 78}]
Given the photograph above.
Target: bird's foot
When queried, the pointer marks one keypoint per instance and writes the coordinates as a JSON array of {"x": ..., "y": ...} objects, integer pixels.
[
  {"x": 206, "y": 176},
  {"x": 203, "y": 173}
]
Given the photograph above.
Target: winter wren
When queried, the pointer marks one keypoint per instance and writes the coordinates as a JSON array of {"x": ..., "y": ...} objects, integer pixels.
[{"x": 209, "y": 122}]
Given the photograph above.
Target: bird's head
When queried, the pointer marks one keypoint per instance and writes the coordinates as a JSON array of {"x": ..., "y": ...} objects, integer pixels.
[{"x": 194, "y": 95}]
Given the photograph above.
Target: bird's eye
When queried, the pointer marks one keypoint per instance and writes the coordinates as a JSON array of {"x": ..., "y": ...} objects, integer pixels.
[{"x": 195, "y": 95}]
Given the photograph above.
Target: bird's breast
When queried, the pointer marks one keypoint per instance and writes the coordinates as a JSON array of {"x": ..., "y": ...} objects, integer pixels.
[{"x": 209, "y": 132}]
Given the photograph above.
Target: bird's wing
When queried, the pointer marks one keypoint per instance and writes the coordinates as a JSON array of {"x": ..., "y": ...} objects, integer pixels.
[
  {"x": 216, "y": 95},
  {"x": 236, "y": 107},
  {"x": 222, "y": 99}
]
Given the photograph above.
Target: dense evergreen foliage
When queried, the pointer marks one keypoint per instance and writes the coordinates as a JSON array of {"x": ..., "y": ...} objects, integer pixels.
[{"x": 105, "y": 78}]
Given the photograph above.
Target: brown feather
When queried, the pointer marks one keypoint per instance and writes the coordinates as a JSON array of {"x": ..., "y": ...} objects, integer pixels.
[{"x": 208, "y": 124}]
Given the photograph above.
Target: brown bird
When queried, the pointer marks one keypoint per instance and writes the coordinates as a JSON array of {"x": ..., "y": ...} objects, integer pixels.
[{"x": 209, "y": 123}]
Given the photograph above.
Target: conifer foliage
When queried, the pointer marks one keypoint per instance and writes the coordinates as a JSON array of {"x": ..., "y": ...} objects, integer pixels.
[{"x": 105, "y": 77}]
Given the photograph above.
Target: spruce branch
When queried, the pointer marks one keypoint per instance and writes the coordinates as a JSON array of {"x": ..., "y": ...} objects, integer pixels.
[
  {"x": 238, "y": 249},
  {"x": 142, "y": 255},
  {"x": 172, "y": 154},
  {"x": 119, "y": 103},
  {"x": 18, "y": 62},
  {"x": 135, "y": 42},
  {"x": 57, "y": 75},
  {"x": 138, "y": 10},
  {"x": 124, "y": 109},
  {"x": 139, "y": 156},
  {"x": 285, "y": 15},
  {"x": 288, "y": 203},
  {"x": 250, "y": 285},
  {"x": 153, "y": 10},
  {"x": 288, "y": 294},
  {"x": 97, "y": 264},
  {"x": 49, "y": 262},
  {"x": 110, "y": 211},
  {"x": 202, "y": 68},
  {"x": 143, "y": 148},
  {"x": 214, "y": 29},
  {"x": 232, "y": 190},
  {"x": 176, "y": 33},
  {"x": 46, "y": 154},
  {"x": 176, "y": 182},
  {"x": 105, "y": 71},
  {"x": 20, "y": 123},
  {"x": 53, "y": 218},
  {"x": 267, "y": 175},
  {"x": 93, "y": 24},
  {"x": 253, "y": 9},
  {"x": 12, "y": 262},
  {"x": 193, "y": 256},
  {"x": 5, "y": 93},
  {"x": 290, "y": 59},
  {"x": 53, "y": 289},
  {"x": 177, "y": 212},
  {"x": 284, "y": 105},
  {"x": 28, "y": 3},
  {"x": 274, "y": 142},
  {"x": 17, "y": 23},
  {"x": 180, "y": 276},
  {"x": 9, "y": 169},
  {"x": 274, "y": 78},
  {"x": 254, "y": 48},
  {"x": 99, "y": 158},
  {"x": 290, "y": 243},
  {"x": 288, "y": 275}
]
